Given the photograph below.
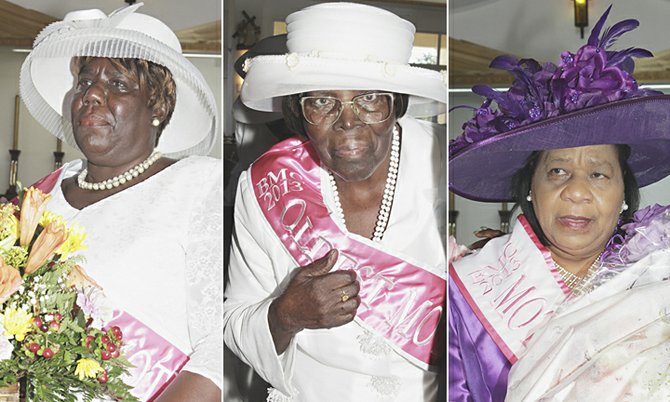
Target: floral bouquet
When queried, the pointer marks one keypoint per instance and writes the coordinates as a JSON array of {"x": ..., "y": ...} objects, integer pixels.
[{"x": 51, "y": 312}]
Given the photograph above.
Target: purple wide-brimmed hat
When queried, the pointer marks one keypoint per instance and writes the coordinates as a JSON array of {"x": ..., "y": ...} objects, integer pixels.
[{"x": 589, "y": 98}]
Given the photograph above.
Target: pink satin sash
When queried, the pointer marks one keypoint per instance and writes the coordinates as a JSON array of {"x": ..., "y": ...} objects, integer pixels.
[
  {"x": 400, "y": 301},
  {"x": 512, "y": 286},
  {"x": 157, "y": 362}
]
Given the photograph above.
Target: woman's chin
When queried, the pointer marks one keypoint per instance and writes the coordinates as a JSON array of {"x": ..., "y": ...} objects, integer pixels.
[
  {"x": 579, "y": 245},
  {"x": 96, "y": 151},
  {"x": 352, "y": 175},
  {"x": 353, "y": 171}
]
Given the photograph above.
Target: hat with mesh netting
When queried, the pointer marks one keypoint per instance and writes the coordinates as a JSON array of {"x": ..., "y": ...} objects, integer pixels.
[{"x": 46, "y": 83}]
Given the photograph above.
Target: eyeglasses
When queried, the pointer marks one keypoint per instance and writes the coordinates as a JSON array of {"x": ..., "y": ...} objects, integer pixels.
[{"x": 371, "y": 108}]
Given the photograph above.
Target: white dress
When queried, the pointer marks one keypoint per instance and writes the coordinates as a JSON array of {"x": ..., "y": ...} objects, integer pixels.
[
  {"x": 155, "y": 248},
  {"x": 611, "y": 345},
  {"x": 345, "y": 363}
]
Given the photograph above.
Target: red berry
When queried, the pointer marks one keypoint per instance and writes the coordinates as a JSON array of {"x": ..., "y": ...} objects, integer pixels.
[
  {"x": 47, "y": 353},
  {"x": 34, "y": 347},
  {"x": 37, "y": 322},
  {"x": 55, "y": 325},
  {"x": 44, "y": 327},
  {"x": 116, "y": 331},
  {"x": 58, "y": 316},
  {"x": 111, "y": 348},
  {"x": 105, "y": 355},
  {"x": 105, "y": 339},
  {"x": 115, "y": 354},
  {"x": 102, "y": 377}
]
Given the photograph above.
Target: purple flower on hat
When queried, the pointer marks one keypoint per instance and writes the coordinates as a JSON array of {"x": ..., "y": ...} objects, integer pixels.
[
  {"x": 478, "y": 128},
  {"x": 590, "y": 77},
  {"x": 587, "y": 80}
]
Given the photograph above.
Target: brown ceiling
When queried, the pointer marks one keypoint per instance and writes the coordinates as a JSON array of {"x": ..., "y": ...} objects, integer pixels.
[
  {"x": 19, "y": 26},
  {"x": 469, "y": 65},
  {"x": 205, "y": 38}
]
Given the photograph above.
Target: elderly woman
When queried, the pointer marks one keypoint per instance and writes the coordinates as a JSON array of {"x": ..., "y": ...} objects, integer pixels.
[
  {"x": 337, "y": 272},
  {"x": 118, "y": 88},
  {"x": 570, "y": 144}
]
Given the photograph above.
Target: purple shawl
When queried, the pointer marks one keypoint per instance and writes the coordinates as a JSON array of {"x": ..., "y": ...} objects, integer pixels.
[{"x": 478, "y": 369}]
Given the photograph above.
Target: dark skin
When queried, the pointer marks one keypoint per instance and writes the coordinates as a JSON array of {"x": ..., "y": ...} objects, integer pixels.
[
  {"x": 358, "y": 155},
  {"x": 486, "y": 235},
  {"x": 111, "y": 121},
  {"x": 112, "y": 126}
]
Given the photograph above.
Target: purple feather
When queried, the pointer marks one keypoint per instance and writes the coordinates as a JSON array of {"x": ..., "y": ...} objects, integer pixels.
[
  {"x": 614, "y": 32},
  {"x": 616, "y": 58},
  {"x": 462, "y": 107},
  {"x": 524, "y": 75},
  {"x": 504, "y": 62},
  {"x": 595, "y": 32},
  {"x": 486, "y": 91},
  {"x": 531, "y": 65},
  {"x": 500, "y": 98}
]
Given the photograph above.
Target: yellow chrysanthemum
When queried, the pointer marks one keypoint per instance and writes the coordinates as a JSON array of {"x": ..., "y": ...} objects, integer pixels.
[
  {"x": 48, "y": 217},
  {"x": 16, "y": 256},
  {"x": 74, "y": 242},
  {"x": 9, "y": 225},
  {"x": 87, "y": 368},
  {"x": 17, "y": 323}
]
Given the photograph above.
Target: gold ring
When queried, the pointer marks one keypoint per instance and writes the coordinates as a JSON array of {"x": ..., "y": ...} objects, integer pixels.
[{"x": 344, "y": 296}]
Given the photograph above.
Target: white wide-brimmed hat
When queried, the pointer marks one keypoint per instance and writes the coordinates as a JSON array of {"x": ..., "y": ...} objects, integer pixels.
[
  {"x": 344, "y": 46},
  {"x": 47, "y": 82}
]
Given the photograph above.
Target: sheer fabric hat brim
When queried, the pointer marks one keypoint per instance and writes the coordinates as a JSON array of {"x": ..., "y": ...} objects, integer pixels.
[
  {"x": 46, "y": 80},
  {"x": 483, "y": 170}
]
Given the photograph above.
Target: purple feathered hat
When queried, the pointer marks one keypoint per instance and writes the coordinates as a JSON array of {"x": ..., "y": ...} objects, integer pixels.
[{"x": 589, "y": 98}]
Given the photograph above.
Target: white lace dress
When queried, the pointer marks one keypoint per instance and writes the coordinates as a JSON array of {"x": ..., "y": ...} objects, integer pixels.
[
  {"x": 346, "y": 363},
  {"x": 155, "y": 248}
]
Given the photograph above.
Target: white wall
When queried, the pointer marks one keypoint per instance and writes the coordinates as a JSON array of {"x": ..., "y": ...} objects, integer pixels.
[
  {"x": 543, "y": 28},
  {"x": 36, "y": 144}
]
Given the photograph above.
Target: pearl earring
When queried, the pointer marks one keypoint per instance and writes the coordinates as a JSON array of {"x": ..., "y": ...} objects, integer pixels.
[
  {"x": 155, "y": 122},
  {"x": 624, "y": 206},
  {"x": 529, "y": 198}
]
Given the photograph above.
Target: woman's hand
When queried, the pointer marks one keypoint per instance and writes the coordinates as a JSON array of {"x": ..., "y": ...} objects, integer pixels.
[
  {"x": 486, "y": 234},
  {"x": 314, "y": 298}
]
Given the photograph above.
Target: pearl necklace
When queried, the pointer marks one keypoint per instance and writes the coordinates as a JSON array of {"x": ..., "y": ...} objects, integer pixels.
[
  {"x": 575, "y": 283},
  {"x": 123, "y": 178},
  {"x": 389, "y": 189}
]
